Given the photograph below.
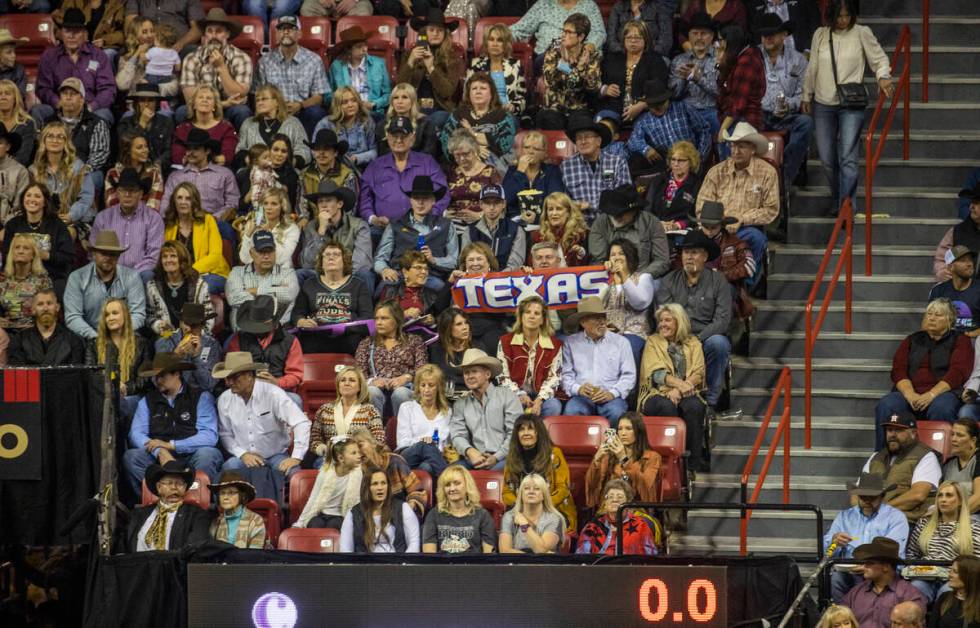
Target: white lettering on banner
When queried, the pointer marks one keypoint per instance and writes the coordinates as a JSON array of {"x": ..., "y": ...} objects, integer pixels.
[
  {"x": 498, "y": 292},
  {"x": 471, "y": 286}
]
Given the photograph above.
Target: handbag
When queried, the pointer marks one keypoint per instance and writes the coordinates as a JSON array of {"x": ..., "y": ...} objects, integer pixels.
[{"x": 850, "y": 95}]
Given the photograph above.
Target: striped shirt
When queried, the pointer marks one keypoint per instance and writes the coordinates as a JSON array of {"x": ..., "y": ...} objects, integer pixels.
[{"x": 942, "y": 545}]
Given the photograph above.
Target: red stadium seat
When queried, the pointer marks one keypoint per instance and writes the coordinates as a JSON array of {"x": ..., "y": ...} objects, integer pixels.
[
  {"x": 218, "y": 305},
  {"x": 252, "y": 38},
  {"x": 38, "y": 28},
  {"x": 667, "y": 436},
  {"x": 523, "y": 50},
  {"x": 579, "y": 438},
  {"x": 198, "y": 493},
  {"x": 391, "y": 433},
  {"x": 384, "y": 43},
  {"x": 558, "y": 145},
  {"x": 316, "y": 34},
  {"x": 319, "y": 378},
  {"x": 268, "y": 509},
  {"x": 300, "y": 487},
  {"x": 317, "y": 540},
  {"x": 935, "y": 434},
  {"x": 425, "y": 482},
  {"x": 491, "y": 487}
]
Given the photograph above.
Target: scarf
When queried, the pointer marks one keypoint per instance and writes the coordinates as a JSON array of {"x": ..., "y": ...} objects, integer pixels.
[
  {"x": 341, "y": 421},
  {"x": 322, "y": 489},
  {"x": 232, "y": 522},
  {"x": 156, "y": 536}
]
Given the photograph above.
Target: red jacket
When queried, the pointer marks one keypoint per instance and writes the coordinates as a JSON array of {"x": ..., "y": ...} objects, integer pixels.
[
  {"x": 515, "y": 356},
  {"x": 292, "y": 375}
]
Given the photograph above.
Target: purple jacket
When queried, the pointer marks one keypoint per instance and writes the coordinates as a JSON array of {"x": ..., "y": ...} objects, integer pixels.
[
  {"x": 382, "y": 185},
  {"x": 93, "y": 68},
  {"x": 142, "y": 232}
]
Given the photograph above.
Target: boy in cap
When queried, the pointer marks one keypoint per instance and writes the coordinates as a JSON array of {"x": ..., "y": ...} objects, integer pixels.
[
  {"x": 193, "y": 343},
  {"x": 504, "y": 237}
]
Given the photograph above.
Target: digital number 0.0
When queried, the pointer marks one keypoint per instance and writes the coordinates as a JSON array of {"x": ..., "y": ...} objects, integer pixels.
[{"x": 656, "y": 587}]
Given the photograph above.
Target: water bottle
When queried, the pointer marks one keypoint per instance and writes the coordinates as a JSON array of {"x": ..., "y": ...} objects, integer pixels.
[{"x": 435, "y": 437}]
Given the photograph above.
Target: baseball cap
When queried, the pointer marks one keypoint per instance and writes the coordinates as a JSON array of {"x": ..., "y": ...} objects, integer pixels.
[
  {"x": 493, "y": 191},
  {"x": 287, "y": 21},
  {"x": 900, "y": 419},
  {"x": 73, "y": 83},
  {"x": 263, "y": 240},
  {"x": 957, "y": 252},
  {"x": 400, "y": 124}
]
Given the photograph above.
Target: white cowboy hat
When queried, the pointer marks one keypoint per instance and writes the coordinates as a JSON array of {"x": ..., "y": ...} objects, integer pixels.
[
  {"x": 479, "y": 357},
  {"x": 745, "y": 132},
  {"x": 236, "y": 362}
]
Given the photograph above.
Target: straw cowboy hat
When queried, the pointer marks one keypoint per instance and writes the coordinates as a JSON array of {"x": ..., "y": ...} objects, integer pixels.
[
  {"x": 745, "y": 132},
  {"x": 236, "y": 362},
  {"x": 156, "y": 472},
  {"x": 218, "y": 16},
  {"x": 589, "y": 306},
  {"x": 235, "y": 480},
  {"x": 6, "y": 38},
  {"x": 479, "y": 357},
  {"x": 164, "y": 362}
]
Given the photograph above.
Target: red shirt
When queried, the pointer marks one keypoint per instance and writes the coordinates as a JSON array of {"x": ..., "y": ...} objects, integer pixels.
[
  {"x": 960, "y": 366},
  {"x": 412, "y": 298}
]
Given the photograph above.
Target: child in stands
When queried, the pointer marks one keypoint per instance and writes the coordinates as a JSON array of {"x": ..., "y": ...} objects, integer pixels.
[{"x": 337, "y": 488}]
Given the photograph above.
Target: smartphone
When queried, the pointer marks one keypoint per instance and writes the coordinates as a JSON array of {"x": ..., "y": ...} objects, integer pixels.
[
  {"x": 610, "y": 434},
  {"x": 423, "y": 41}
]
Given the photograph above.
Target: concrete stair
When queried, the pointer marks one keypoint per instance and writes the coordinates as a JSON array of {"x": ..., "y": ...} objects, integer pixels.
[{"x": 914, "y": 206}]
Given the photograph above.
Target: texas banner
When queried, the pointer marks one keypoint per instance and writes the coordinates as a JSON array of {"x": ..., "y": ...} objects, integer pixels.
[
  {"x": 20, "y": 424},
  {"x": 561, "y": 288}
]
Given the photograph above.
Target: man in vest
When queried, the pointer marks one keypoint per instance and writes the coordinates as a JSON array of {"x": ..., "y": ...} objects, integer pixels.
[
  {"x": 260, "y": 334},
  {"x": 967, "y": 234},
  {"x": 504, "y": 237},
  {"x": 174, "y": 421},
  {"x": 911, "y": 470}
]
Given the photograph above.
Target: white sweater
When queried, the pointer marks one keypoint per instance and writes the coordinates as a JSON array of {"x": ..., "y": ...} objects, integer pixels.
[{"x": 851, "y": 48}]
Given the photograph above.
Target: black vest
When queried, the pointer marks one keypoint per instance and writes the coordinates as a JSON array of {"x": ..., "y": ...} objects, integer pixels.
[
  {"x": 967, "y": 234},
  {"x": 939, "y": 352},
  {"x": 177, "y": 422},
  {"x": 274, "y": 355},
  {"x": 500, "y": 243},
  {"x": 357, "y": 518},
  {"x": 407, "y": 238}
]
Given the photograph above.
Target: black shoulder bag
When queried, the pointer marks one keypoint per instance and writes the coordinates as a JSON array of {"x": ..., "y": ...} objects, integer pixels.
[{"x": 850, "y": 95}]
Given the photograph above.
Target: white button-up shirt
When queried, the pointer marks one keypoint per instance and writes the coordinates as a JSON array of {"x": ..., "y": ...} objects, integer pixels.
[{"x": 262, "y": 425}]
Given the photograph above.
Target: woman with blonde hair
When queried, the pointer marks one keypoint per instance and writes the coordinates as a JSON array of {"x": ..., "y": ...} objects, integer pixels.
[
  {"x": 458, "y": 524},
  {"x": 531, "y": 172},
  {"x": 498, "y": 62},
  {"x": 67, "y": 177},
  {"x": 349, "y": 411},
  {"x": 272, "y": 117},
  {"x": 205, "y": 112},
  {"x": 562, "y": 222},
  {"x": 531, "y": 356},
  {"x": 15, "y": 118},
  {"x": 405, "y": 102},
  {"x": 947, "y": 532},
  {"x": 185, "y": 221},
  {"x": 117, "y": 346},
  {"x": 278, "y": 219},
  {"x": 351, "y": 120},
  {"x": 175, "y": 282},
  {"x": 23, "y": 277},
  {"x": 423, "y": 422},
  {"x": 837, "y": 616},
  {"x": 132, "y": 64},
  {"x": 533, "y": 525}
]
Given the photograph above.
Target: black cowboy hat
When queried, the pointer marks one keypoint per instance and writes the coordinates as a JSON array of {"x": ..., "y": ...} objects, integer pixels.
[
  {"x": 618, "y": 201},
  {"x": 972, "y": 194},
  {"x": 770, "y": 24},
  {"x": 422, "y": 186},
  {"x": 713, "y": 213},
  {"x": 156, "y": 472},
  {"x": 327, "y": 188},
  {"x": 435, "y": 17},
  {"x": 197, "y": 138},
  {"x": 193, "y": 314},
  {"x": 73, "y": 18},
  {"x": 12, "y": 138},
  {"x": 164, "y": 362},
  {"x": 701, "y": 20},
  {"x": 257, "y": 316},
  {"x": 129, "y": 178},
  {"x": 698, "y": 240},
  {"x": 145, "y": 90},
  {"x": 583, "y": 122},
  {"x": 656, "y": 91},
  {"x": 326, "y": 138}
]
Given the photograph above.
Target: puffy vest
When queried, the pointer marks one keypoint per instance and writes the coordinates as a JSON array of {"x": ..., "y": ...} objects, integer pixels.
[
  {"x": 500, "y": 242},
  {"x": 357, "y": 518},
  {"x": 274, "y": 355},
  {"x": 899, "y": 473},
  {"x": 407, "y": 238},
  {"x": 939, "y": 351},
  {"x": 177, "y": 422}
]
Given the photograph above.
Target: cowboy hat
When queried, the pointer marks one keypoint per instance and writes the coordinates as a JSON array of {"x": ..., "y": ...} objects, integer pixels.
[
  {"x": 193, "y": 314},
  {"x": 328, "y": 188},
  {"x": 156, "y": 472},
  {"x": 217, "y": 15},
  {"x": 145, "y": 90},
  {"x": 257, "y": 316},
  {"x": 713, "y": 214},
  {"x": 435, "y": 17},
  {"x": 422, "y": 185},
  {"x": 745, "y": 132},
  {"x": 164, "y": 362},
  {"x": 971, "y": 194},
  {"x": 129, "y": 178},
  {"x": 479, "y": 357},
  {"x": 583, "y": 122},
  {"x": 108, "y": 241},
  {"x": 589, "y": 306},
  {"x": 770, "y": 24},
  {"x": 236, "y": 362},
  {"x": 869, "y": 485},
  {"x": 656, "y": 91},
  {"x": 234, "y": 479},
  {"x": 7, "y": 39},
  {"x": 326, "y": 138},
  {"x": 349, "y": 37},
  {"x": 73, "y": 18},
  {"x": 198, "y": 138},
  {"x": 698, "y": 240},
  {"x": 620, "y": 200},
  {"x": 702, "y": 21},
  {"x": 880, "y": 548},
  {"x": 11, "y": 138}
]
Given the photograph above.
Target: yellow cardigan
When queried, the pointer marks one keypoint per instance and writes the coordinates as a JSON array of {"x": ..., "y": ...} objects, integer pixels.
[
  {"x": 208, "y": 255},
  {"x": 559, "y": 480},
  {"x": 655, "y": 358}
]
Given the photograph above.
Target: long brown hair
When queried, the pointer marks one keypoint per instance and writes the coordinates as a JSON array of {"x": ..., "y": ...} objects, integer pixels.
[
  {"x": 368, "y": 505},
  {"x": 183, "y": 259},
  {"x": 444, "y": 327},
  {"x": 170, "y": 217},
  {"x": 397, "y": 313},
  {"x": 514, "y": 469},
  {"x": 969, "y": 568}
]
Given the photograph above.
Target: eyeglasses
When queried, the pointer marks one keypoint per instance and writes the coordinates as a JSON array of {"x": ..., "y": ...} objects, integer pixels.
[
  {"x": 172, "y": 483},
  {"x": 678, "y": 160}
]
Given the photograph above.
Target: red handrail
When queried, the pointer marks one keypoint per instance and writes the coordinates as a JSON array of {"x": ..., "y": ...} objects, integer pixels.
[
  {"x": 845, "y": 221},
  {"x": 873, "y": 156},
  {"x": 925, "y": 50},
  {"x": 784, "y": 387}
]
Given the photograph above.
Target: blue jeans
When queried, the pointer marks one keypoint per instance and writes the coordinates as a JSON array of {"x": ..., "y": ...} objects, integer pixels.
[
  {"x": 397, "y": 396},
  {"x": 756, "y": 238},
  {"x": 309, "y": 116},
  {"x": 227, "y": 232},
  {"x": 583, "y": 406},
  {"x": 425, "y": 456},
  {"x": 943, "y": 408},
  {"x": 840, "y": 583},
  {"x": 216, "y": 283},
  {"x": 717, "y": 349},
  {"x": 466, "y": 463},
  {"x": 931, "y": 589},
  {"x": 235, "y": 464},
  {"x": 969, "y": 411},
  {"x": 146, "y": 275},
  {"x": 800, "y": 129},
  {"x": 838, "y": 133},
  {"x": 135, "y": 462},
  {"x": 260, "y": 8}
]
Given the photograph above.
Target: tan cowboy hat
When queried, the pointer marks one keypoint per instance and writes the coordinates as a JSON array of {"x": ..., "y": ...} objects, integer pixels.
[
  {"x": 479, "y": 357},
  {"x": 589, "y": 306},
  {"x": 108, "y": 241},
  {"x": 6, "y": 38},
  {"x": 236, "y": 362},
  {"x": 745, "y": 132},
  {"x": 235, "y": 479},
  {"x": 217, "y": 15},
  {"x": 164, "y": 362}
]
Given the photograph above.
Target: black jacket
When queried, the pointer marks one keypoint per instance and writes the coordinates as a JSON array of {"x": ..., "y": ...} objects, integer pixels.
[
  {"x": 82, "y": 137},
  {"x": 685, "y": 198},
  {"x": 190, "y": 526},
  {"x": 62, "y": 259},
  {"x": 28, "y": 349},
  {"x": 135, "y": 385},
  {"x": 805, "y": 15},
  {"x": 160, "y": 135},
  {"x": 651, "y": 66}
]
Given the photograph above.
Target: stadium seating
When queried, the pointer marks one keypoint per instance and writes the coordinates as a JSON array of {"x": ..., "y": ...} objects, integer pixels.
[
  {"x": 491, "y": 486},
  {"x": 317, "y": 540},
  {"x": 319, "y": 378},
  {"x": 936, "y": 434},
  {"x": 667, "y": 436},
  {"x": 300, "y": 487},
  {"x": 558, "y": 145},
  {"x": 579, "y": 438},
  {"x": 252, "y": 38},
  {"x": 268, "y": 509},
  {"x": 316, "y": 34},
  {"x": 38, "y": 28},
  {"x": 426, "y": 483},
  {"x": 198, "y": 493}
]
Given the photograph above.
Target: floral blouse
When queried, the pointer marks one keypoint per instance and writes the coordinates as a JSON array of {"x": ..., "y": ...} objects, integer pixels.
[
  {"x": 464, "y": 192},
  {"x": 375, "y": 360},
  {"x": 17, "y": 297},
  {"x": 570, "y": 91}
]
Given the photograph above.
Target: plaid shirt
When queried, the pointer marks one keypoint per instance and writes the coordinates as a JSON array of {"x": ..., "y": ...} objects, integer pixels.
[
  {"x": 299, "y": 78},
  {"x": 586, "y": 184},
  {"x": 660, "y": 133},
  {"x": 751, "y": 195},
  {"x": 700, "y": 93},
  {"x": 740, "y": 96},
  {"x": 197, "y": 70}
]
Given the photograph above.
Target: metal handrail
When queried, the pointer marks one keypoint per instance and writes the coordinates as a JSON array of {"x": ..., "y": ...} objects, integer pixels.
[
  {"x": 784, "y": 387},
  {"x": 845, "y": 221},
  {"x": 872, "y": 153}
]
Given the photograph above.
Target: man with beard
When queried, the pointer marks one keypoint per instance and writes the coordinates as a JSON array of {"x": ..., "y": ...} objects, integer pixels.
[
  {"x": 47, "y": 342},
  {"x": 169, "y": 524},
  {"x": 961, "y": 289}
]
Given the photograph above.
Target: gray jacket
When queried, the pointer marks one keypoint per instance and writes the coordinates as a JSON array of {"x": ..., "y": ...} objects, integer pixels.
[
  {"x": 85, "y": 295},
  {"x": 485, "y": 426},
  {"x": 645, "y": 232},
  {"x": 352, "y": 232},
  {"x": 708, "y": 303}
]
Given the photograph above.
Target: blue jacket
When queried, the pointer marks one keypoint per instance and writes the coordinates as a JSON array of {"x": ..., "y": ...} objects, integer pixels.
[
  {"x": 379, "y": 83},
  {"x": 85, "y": 294}
]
